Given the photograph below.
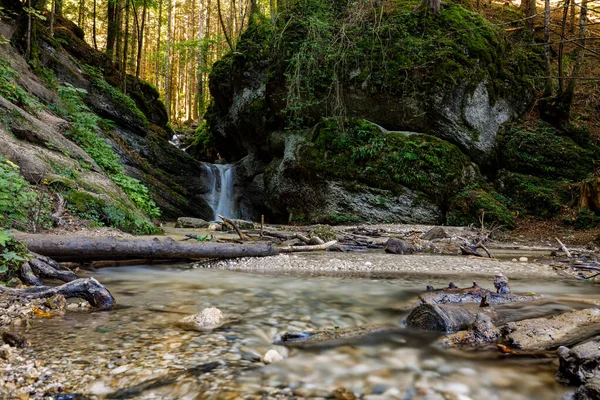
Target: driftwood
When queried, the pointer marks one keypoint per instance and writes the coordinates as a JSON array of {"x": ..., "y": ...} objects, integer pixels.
[
  {"x": 241, "y": 234},
  {"x": 564, "y": 248},
  {"x": 79, "y": 249},
  {"x": 474, "y": 294},
  {"x": 449, "y": 317},
  {"x": 88, "y": 289},
  {"x": 537, "y": 334},
  {"x": 316, "y": 247},
  {"x": 335, "y": 337}
]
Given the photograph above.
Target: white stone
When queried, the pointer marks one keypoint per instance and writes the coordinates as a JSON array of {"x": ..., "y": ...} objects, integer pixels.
[
  {"x": 208, "y": 319},
  {"x": 523, "y": 259},
  {"x": 276, "y": 354},
  {"x": 119, "y": 370}
]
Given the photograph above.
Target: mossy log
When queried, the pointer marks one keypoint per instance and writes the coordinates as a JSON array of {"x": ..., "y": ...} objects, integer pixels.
[
  {"x": 80, "y": 249},
  {"x": 88, "y": 289}
]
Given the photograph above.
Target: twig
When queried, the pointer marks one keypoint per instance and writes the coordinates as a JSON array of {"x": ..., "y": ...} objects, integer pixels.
[{"x": 293, "y": 249}]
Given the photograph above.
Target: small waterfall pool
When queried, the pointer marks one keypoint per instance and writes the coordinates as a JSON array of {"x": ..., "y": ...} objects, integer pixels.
[{"x": 220, "y": 197}]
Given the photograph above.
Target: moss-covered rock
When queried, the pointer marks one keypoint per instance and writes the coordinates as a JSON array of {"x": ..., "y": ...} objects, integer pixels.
[{"x": 474, "y": 202}]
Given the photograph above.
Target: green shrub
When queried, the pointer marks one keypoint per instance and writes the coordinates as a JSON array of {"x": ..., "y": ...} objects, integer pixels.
[
  {"x": 472, "y": 202},
  {"x": 10, "y": 89},
  {"x": 21, "y": 205},
  {"x": 12, "y": 255},
  {"x": 586, "y": 219}
]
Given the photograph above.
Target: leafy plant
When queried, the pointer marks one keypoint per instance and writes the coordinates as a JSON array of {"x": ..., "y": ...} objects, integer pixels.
[{"x": 10, "y": 89}]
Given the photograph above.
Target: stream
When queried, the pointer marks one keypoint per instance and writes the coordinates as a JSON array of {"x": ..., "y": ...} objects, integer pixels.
[{"x": 101, "y": 352}]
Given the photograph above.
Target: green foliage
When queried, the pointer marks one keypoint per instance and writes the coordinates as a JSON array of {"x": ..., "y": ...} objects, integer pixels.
[
  {"x": 543, "y": 151},
  {"x": 207, "y": 238},
  {"x": 85, "y": 126},
  {"x": 354, "y": 149},
  {"x": 202, "y": 138},
  {"x": 533, "y": 195},
  {"x": 103, "y": 212},
  {"x": 115, "y": 94},
  {"x": 586, "y": 219},
  {"x": 10, "y": 89},
  {"x": 472, "y": 202},
  {"x": 21, "y": 205},
  {"x": 12, "y": 255}
]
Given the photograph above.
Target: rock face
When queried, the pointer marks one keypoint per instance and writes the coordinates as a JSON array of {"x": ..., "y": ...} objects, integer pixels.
[
  {"x": 37, "y": 141},
  {"x": 257, "y": 117}
]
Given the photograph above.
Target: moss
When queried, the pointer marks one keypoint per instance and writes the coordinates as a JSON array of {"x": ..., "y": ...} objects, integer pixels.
[
  {"x": 357, "y": 150},
  {"x": 324, "y": 232},
  {"x": 474, "y": 201},
  {"x": 543, "y": 151},
  {"x": 533, "y": 195}
]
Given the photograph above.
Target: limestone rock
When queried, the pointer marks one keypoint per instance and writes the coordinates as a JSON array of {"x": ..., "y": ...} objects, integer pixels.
[
  {"x": 397, "y": 246},
  {"x": 580, "y": 363},
  {"x": 435, "y": 233},
  {"x": 188, "y": 222},
  {"x": 275, "y": 355},
  {"x": 207, "y": 320}
]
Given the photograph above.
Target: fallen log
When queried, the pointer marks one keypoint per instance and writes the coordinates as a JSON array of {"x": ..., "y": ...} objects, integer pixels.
[
  {"x": 80, "y": 249},
  {"x": 241, "y": 234},
  {"x": 537, "y": 334},
  {"x": 550, "y": 333},
  {"x": 316, "y": 247},
  {"x": 88, "y": 289},
  {"x": 474, "y": 294},
  {"x": 449, "y": 317}
]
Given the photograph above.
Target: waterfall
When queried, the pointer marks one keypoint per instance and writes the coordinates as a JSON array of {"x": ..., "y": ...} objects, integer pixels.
[{"x": 220, "y": 197}]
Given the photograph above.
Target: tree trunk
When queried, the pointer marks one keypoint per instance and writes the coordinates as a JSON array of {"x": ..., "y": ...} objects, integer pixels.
[
  {"x": 80, "y": 249},
  {"x": 223, "y": 25},
  {"x": 529, "y": 9},
  {"x": 157, "y": 55},
  {"x": 141, "y": 40},
  {"x": 81, "y": 16},
  {"x": 168, "y": 61},
  {"x": 124, "y": 69},
  {"x": 94, "y": 27},
  {"x": 112, "y": 28},
  {"x": 58, "y": 7},
  {"x": 566, "y": 98},
  {"x": 548, "y": 68},
  {"x": 561, "y": 46}
]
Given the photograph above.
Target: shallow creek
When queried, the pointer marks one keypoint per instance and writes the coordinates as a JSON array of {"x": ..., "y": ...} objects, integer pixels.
[{"x": 101, "y": 352}]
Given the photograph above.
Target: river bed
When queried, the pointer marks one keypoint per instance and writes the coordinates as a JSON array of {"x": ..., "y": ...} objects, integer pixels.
[{"x": 99, "y": 353}]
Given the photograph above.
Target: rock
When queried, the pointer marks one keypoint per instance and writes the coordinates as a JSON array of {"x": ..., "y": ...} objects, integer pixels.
[
  {"x": 208, "y": 319},
  {"x": 514, "y": 260},
  {"x": 523, "y": 259},
  {"x": 4, "y": 352},
  {"x": 242, "y": 224},
  {"x": 435, "y": 233},
  {"x": 579, "y": 364},
  {"x": 397, "y": 246},
  {"x": 501, "y": 284},
  {"x": 188, "y": 222},
  {"x": 15, "y": 340},
  {"x": 275, "y": 355},
  {"x": 589, "y": 391}
]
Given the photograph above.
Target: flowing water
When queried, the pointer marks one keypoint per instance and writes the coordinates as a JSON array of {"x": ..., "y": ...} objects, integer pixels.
[
  {"x": 102, "y": 352},
  {"x": 220, "y": 198}
]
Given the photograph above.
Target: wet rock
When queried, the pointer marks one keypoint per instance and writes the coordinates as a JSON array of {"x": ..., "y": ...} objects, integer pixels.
[
  {"x": 501, "y": 284},
  {"x": 242, "y": 224},
  {"x": 589, "y": 391},
  {"x": 4, "y": 353},
  {"x": 579, "y": 364},
  {"x": 397, "y": 246},
  {"x": 188, "y": 222},
  {"x": 15, "y": 340},
  {"x": 207, "y": 320},
  {"x": 435, "y": 234},
  {"x": 272, "y": 356}
]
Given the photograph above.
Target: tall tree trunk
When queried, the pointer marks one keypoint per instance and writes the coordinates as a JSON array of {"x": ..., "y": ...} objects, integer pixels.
[
  {"x": 223, "y": 25},
  {"x": 272, "y": 10},
  {"x": 81, "y": 17},
  {"x": 561, "y": 46},
  {"x": 157, "y": 66},
  {"x": 529, "y": 9},
  {"x": 53, "y": 12},
  {"x": 548, "y": 68},
  {"x": 168, "y": 56},
  {"x": 125, "y": 48},
  {"x": 119, "y": 45},
  {"x": 567, "y": 98},
  {"x": 58, "y": 7},
  {"x": 140, "y": 41},
  {"x": 112, "y": 28},
  {"x": 199, "y": 108},
  {"x": 94, "y": 27},
  {"x": 573, "y": 17},
  {"x": 29, "y": 33}
]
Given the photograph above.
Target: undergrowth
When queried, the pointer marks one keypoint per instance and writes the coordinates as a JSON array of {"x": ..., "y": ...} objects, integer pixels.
[
  {"x": 10, "y": 89},
  {"x": 85, "y": 128}
]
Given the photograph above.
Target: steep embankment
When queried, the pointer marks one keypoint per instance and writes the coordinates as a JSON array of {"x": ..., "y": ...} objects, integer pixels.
[
  {"x": 342, "y": 111},
  {"x": 74, "y": 133}
]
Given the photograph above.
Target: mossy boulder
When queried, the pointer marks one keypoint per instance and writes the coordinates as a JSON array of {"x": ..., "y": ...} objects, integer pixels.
[
  {"x": 349, "y": 170},
  {"x": 451, "y": 75}
]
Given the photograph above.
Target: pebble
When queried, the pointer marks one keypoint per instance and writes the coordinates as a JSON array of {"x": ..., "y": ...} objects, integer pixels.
[
  {"x": 272, "y": 356},
  {"x": 523, "y": 259}
]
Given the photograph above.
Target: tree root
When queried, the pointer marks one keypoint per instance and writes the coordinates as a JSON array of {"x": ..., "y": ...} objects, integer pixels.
[
  {"x": 44, "y": 270},
  {"x": 88, "y": 289}
]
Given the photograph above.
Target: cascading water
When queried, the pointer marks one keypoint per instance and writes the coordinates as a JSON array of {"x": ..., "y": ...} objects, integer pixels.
[{"x": 220, "y": 198}]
